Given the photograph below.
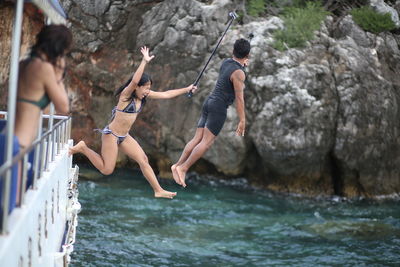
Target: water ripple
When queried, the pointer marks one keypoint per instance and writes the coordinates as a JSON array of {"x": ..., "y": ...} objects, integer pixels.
[{"x": 229, "y": 223}]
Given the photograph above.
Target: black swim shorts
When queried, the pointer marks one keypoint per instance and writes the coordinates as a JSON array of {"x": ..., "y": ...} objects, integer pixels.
[{"x": 213, "y": 115}]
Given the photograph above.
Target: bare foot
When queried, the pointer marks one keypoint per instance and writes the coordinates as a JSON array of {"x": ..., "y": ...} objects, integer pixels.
[
  {"x": 165, "y": 194},
  {"x": 175, "y": 174},
  {"x": 78, "y": 148},
  {"x": 181, "y": 175}
]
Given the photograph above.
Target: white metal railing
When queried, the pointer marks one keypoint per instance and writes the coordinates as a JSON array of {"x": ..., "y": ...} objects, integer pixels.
[{"x": 46, "y": 147}]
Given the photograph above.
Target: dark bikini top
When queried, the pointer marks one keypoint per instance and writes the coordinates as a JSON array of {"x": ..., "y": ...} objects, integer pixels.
[
  {"x": 42, "y": 103},
  {"x": 131, "y": 107}
]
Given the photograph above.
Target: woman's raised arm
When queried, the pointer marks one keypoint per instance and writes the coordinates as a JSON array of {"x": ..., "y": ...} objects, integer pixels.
[
  {"x": 54, "y": 85},
  {"x": 139, "y": 72}
]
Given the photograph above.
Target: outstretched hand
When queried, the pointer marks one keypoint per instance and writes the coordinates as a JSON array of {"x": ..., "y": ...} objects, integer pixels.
[
  {"x": 192, "y": 88},
  {"x": 145, "y": 52}
]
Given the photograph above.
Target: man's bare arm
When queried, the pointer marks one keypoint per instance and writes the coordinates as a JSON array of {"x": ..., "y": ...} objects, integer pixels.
[{"x": 237, "y": 79}]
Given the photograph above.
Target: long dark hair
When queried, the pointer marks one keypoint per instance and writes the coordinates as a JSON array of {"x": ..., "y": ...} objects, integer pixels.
[
  {"x": 53, "y": 41},
  {"x": 143, "y": 80}
]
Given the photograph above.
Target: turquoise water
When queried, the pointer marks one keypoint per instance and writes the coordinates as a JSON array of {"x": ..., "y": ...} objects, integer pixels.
[{"x": 227, "y": 223}]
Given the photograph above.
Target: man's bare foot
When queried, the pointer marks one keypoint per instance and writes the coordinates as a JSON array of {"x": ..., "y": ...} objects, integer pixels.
[
  {"x": 165, "y": 194},
  {"x": 175, "y": 174},
  {"x": 78, "y": 148},
  {"x": 181, "y": 175}
]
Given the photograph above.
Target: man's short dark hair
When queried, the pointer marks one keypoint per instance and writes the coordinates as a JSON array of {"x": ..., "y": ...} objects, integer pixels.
[{"x": 241, "y": 48}]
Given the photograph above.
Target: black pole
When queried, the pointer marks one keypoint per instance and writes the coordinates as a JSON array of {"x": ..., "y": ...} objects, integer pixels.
[{"x": 233, "y": 16}]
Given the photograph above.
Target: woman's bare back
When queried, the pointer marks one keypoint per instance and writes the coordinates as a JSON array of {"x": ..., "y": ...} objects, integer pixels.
[{"x": 30, "y": 87}]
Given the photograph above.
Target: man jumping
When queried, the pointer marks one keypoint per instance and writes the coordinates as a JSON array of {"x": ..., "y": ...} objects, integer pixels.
[{"x": 229, "y": 87}]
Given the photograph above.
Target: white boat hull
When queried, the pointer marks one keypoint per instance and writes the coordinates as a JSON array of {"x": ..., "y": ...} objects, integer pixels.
[{"x": 42, "y": 230}]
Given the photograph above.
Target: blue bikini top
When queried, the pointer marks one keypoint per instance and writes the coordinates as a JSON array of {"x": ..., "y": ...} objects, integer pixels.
[{"x": 131, "y": 107}]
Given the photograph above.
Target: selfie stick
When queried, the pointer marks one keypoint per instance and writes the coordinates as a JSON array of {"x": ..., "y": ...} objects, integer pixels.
[{"x": 233, "y": 17}]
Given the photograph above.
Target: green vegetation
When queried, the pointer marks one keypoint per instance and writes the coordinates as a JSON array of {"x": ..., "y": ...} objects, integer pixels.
[
  {"x": 300, "y": 24},
  {"x": 240, "y": 15},
  {"x": 255, "y": 7},
  {"x": 372, "y": 21},
  {"x": 299, "y": 3}
]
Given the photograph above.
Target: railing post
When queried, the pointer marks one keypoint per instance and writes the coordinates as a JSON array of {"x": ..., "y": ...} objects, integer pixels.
[
  {"x": 58, "y": 139},
  {"x": 12, "y": 95},
  {"x": 63, "y": 134},
  {"x": 51, "y": 126},
  {"x": 37, "y": 153},
  {"x": 46, "y": 159},
  {"x": 24, "y": 172},
  {"x": 43, "y": 150},
  {"x": 69, "y": 128},
  {"x": 53, "y": 145}
]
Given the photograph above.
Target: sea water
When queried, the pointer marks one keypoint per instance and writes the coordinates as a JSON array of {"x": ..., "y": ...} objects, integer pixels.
[{"x": 228, "y": 223}]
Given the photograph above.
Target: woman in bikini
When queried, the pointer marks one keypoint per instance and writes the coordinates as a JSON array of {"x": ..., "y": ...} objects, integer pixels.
[
  {"x": 131, "y": 99},
  {"x": 40, "y": 81}
]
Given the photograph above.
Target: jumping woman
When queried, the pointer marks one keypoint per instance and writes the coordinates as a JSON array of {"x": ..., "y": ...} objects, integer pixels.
[{"x": 132, "y": 98}]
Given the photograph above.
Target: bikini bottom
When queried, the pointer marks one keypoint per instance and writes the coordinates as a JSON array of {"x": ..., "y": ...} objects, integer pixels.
[{"x": 107, "y": 130}]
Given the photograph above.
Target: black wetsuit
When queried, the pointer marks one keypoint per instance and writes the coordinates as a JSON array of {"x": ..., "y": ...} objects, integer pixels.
[{"x": 215, "y": 106}]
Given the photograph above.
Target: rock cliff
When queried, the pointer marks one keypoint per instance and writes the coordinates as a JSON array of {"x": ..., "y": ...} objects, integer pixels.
[
  {"x": 321, "y": 120},
  {"x": 31, "y": 25}
]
